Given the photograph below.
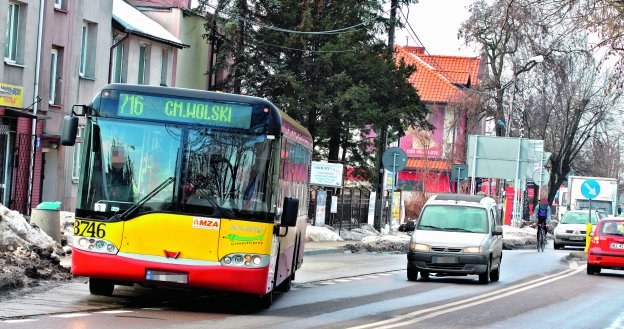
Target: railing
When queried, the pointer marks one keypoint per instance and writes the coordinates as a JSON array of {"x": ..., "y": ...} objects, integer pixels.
[{"x": 351, "y": 209}]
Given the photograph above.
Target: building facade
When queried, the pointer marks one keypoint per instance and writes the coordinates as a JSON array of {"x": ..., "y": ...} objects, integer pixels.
[
  {"x": 75, "y": 46},
  {"x": 18, "y": 101}
]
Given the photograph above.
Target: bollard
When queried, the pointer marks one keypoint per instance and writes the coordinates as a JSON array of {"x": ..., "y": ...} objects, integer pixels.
[{"x": 49, "y": 221}]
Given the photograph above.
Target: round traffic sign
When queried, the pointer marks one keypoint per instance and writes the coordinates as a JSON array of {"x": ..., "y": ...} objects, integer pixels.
[
  {"x": 590, "y": 188},
  {"x": 543, "y": 180},
  {"x": 394, "y": 159}
]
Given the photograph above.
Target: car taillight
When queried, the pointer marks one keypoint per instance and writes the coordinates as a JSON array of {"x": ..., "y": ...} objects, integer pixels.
[{"x": 595, "y": 239}]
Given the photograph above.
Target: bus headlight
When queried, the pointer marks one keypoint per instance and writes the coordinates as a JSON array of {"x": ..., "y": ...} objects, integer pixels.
[
  {"x": 246, "y": 260},
  {"x": 94, "y": 245}
]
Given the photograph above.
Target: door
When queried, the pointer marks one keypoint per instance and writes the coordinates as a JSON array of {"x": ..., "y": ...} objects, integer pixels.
[{"x": 5, "y": 160}]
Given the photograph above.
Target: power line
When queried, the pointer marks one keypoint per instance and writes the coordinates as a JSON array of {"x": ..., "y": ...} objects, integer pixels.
[{"x": 348, "y": 29}]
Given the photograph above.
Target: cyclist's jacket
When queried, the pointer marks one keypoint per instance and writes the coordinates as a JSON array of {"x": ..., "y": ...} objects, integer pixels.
[{"x": 542, "y": 212}]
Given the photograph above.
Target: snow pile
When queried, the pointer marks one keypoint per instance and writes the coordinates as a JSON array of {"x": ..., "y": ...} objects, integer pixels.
[
  {"x": 27, "y": 254},
  {"x": 358, "y": 234},
  {"x": 322, "y": 233},
  {"x": 395, "y": 242},
  {"x": 514, "y": 238}
]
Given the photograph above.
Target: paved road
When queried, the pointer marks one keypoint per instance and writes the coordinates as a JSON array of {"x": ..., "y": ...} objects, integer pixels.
[{"x": 536, "y": 290}]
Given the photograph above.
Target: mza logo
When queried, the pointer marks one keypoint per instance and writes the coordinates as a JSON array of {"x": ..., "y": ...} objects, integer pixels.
[{"x": 206, "y": 223}]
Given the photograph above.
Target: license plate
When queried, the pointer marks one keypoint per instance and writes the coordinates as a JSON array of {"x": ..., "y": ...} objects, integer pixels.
[
  {"x": 443, "y": 260},
  {"x": 577, "y": 238},
  {"x": 153, "y": 275},
  {"x": 616, "y": 245}
]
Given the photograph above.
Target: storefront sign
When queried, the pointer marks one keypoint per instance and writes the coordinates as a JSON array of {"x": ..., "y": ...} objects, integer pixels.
[
  {"x": 11, "y": 96},
  {"x": 326, "y": 174}
]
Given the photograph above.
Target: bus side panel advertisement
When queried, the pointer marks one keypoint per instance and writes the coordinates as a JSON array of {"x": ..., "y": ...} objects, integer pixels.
[
  {"x": 239, "y": 236},
  {"x": 184, "y": 110}
]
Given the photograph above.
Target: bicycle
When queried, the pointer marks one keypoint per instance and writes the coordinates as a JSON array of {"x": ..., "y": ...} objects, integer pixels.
[{"x": 541, "y": 237}]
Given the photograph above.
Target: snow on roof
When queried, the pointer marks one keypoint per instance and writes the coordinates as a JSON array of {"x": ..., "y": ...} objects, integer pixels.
[{"x": 135, "y": 22}]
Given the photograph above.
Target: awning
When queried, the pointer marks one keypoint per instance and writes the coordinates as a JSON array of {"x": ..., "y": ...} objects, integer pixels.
[
  {"x": 16, "y": 113},
  {"x": 435, "y": 165}
]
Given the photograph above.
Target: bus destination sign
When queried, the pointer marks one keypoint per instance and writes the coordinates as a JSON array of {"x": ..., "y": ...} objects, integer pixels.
[{"x": 184, "y": 110}]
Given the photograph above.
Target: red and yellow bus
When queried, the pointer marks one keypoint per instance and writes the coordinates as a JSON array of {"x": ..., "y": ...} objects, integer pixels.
[{"x": 188, "y": 188}]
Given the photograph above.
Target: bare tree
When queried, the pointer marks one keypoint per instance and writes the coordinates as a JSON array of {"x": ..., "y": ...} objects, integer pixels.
[{"x": 571, "y": 98}]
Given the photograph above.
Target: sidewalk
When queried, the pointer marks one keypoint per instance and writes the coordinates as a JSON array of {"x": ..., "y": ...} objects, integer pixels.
[{"x": 326, "y": 247}]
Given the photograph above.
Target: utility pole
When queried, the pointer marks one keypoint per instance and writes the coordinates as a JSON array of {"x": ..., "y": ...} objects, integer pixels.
[{"x": 383, "y": 131}]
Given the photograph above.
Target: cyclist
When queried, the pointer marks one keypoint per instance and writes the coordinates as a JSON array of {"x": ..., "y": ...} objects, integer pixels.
[{"x": 541, "y": 215}]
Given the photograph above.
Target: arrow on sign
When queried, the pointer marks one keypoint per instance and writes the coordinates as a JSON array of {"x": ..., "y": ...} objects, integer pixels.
[{"x": 590, "y": 190}]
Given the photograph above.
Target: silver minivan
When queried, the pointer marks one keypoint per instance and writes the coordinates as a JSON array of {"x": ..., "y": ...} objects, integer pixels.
[{"x": 457, "y": 234}]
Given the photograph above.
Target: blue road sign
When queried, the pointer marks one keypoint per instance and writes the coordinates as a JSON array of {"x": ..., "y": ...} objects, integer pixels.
[{"x": 590, "y": 189}]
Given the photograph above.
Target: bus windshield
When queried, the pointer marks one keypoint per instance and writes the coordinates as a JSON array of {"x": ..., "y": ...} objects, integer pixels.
[{"x": 174, "y": 168}]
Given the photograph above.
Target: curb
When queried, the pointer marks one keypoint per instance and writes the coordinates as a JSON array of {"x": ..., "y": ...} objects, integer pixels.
[{"x": 326, "y": 251}]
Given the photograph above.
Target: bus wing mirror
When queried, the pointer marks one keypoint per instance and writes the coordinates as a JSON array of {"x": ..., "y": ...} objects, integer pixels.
[
  {"x": 290, "y": 211},
  {"x": 69, "y": 130}
]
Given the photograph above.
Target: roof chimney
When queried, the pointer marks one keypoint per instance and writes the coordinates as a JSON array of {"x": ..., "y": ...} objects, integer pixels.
[{"x": 415, "y": 50}]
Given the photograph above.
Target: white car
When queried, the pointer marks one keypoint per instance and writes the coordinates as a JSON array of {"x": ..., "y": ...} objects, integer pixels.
[{"x": 572, "y": 228}]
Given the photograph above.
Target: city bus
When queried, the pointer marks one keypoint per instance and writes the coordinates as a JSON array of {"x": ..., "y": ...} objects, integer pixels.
[{"x": 188, "y": 188}]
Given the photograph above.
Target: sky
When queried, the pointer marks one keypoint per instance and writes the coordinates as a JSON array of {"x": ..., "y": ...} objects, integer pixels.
[{"x": 436, "y": 23}]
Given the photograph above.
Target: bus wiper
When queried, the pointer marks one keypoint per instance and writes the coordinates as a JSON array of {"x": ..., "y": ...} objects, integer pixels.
[{"x": 150, "y": 195}]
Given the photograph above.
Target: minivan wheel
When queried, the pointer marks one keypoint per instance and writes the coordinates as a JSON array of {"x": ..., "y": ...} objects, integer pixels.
[
  {"x": 412, "y": 275},
  {"x": 495, "y": 274},
  {"x": 484, "y": 277}
]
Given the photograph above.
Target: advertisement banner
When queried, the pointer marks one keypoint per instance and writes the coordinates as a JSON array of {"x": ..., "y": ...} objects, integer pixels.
[
  {"x": 11, "y": 96},
  {"x": 326, "y": 174},
  {"x": 396, "y": 208},
  {"x": 321, "y": 205},
  {"x": 420, "y": 144},
  {"x": 371, "y": 208}
]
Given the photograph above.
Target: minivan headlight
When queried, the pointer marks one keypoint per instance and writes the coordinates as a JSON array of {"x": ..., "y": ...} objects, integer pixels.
[
  {"x": 419, "y": 247},
  {"x": 473, "y": 250}
]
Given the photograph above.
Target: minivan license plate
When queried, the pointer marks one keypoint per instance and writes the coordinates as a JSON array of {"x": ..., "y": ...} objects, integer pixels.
[{"x": 444, "y": 260}]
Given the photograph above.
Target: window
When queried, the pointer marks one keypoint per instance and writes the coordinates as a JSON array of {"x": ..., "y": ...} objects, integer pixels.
[
  {"x": 58, "y": 4},
  {"x": 53, "y": 75},
  {"x": 11, "y": 42},
  {"x": 77, "y": 150},
  {"x": 118, "y": 67},
  {"x": 163, "y": 67},
  {"x": 83, "y": 50},
  {"x": 142, "y": 60}
]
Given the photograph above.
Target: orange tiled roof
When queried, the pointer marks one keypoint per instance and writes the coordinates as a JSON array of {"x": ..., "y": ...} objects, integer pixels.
[
  {"x": 437, "y": 77},
  {"x": 437, "y": 165},
  {"x": 452, "y": 65}
]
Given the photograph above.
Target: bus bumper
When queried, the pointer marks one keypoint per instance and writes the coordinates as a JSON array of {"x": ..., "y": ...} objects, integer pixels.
[{"x": 216, "y": 277}]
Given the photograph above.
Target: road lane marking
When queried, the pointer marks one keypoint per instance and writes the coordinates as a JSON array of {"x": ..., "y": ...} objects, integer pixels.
[
  {"x": 114, "y": 311},
  {"x": 618, "y": 323},
  {"x": 19, "y": 320},
  {"x": 70, "y": 315},
  {"x": 469, "y": 302}
]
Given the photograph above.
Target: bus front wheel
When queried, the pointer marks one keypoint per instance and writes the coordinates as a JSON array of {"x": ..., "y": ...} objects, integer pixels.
[
  {"x": 101, "y": 287},
  {"x": 265, "y": 301}
]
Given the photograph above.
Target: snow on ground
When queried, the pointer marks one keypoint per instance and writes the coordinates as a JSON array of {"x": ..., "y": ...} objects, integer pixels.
[
  {"x": 27, "y": 254},
  {"x": 367, "y": 238}
]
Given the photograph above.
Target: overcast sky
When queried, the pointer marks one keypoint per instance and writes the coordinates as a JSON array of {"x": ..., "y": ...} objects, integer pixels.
[{"x": 436, "y": 23}]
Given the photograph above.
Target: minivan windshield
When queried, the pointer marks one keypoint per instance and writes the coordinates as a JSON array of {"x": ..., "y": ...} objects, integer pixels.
[{"x": 453, "y": 218}]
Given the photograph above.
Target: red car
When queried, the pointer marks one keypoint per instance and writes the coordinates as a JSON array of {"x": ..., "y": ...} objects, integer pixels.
[{"x": 606, "y": 247}]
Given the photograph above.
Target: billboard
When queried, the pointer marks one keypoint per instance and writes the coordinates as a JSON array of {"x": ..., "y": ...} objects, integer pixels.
[
  {"x": 418, "y": 143},
  {"x": 326, "y": 174}
]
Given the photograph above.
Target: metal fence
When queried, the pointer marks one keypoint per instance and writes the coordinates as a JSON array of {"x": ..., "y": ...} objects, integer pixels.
[{"x": 351, "y": 208}]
